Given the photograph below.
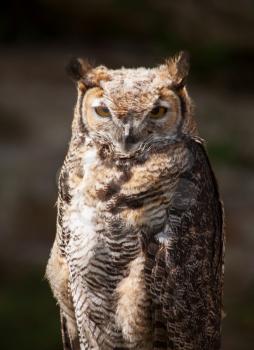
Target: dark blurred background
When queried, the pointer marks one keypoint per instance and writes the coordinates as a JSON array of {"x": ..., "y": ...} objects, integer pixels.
[{"x": 36, "y": 106}]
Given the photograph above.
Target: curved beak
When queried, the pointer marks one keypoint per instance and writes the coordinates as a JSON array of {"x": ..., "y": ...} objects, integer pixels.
[{"x": 128, "y": 138}]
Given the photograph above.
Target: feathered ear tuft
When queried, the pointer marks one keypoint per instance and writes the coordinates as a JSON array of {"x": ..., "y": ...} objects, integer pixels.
[
  {"x": 78, "y": 68},
  {"x": 178, "y": 68}
]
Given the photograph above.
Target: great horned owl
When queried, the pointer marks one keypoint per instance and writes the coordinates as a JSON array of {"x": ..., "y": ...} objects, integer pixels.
[{"x": 137, "y": 261}]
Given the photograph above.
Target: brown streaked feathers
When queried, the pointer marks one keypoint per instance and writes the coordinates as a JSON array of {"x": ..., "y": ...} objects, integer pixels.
[{"x": 137, "y": 261}]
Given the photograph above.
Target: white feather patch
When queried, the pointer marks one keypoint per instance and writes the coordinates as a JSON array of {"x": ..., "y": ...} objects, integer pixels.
[
  {"x": 97, "y": 102},
  {"x": 81, "y": 216}
]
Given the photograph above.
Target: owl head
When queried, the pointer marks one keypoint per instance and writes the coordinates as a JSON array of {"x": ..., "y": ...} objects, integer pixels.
[{"x": 131, "y": 108}]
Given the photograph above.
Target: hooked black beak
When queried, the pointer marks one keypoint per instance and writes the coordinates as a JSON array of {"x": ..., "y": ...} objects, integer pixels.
[{"x": 128, "y": 138}]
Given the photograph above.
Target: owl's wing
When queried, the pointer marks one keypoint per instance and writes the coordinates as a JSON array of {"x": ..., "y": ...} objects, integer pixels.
[{"x": 184, "y": 266}]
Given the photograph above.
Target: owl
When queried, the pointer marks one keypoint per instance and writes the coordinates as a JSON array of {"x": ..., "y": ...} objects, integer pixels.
[{"x": 137, "y": 261}]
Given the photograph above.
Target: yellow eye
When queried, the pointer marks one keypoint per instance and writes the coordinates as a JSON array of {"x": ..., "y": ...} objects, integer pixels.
[
  {"x": 102, "y": 111},
  {"x": 158, "y": 112}
]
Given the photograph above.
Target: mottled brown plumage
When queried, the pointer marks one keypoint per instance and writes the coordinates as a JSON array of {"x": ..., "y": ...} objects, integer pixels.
[{"x": 138, "y": 258}]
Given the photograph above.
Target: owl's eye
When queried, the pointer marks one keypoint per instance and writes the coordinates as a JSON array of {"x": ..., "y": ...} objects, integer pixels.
[
  {"x": 158, "y": 112},
  {"x": 102, "y": 111}
]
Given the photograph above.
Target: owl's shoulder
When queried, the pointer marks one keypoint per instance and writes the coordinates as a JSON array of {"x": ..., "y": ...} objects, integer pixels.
[{"x": 199, "y": 161}]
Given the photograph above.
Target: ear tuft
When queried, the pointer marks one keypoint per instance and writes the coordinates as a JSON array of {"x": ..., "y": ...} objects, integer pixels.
[
  {"x": 178, "y": 67},
  {"x": 78, "y": 68}
]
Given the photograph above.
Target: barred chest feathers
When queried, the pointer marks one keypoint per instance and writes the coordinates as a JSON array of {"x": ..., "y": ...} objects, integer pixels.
[
  {"x": 109, "y": 193},
  {"x": 108, "y": 208}
]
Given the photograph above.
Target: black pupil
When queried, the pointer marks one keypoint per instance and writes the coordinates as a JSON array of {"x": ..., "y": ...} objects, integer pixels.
[{"x": 156, "y": 110}]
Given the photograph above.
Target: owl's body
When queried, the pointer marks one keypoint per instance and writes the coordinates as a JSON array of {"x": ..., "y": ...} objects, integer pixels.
[{"x": 137, "y": 260}]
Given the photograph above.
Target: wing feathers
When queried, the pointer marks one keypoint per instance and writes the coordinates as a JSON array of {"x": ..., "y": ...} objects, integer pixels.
[{"x": 185, "y": 264}]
